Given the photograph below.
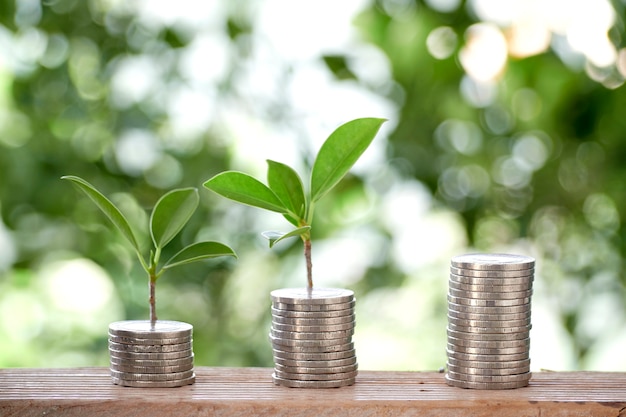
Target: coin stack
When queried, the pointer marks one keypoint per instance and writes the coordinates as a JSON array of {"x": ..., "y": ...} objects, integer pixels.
[
  {"x": 489, "y": 321},
  {"x": 159, "y": 356},
  {"x": 311, "y": 336}
]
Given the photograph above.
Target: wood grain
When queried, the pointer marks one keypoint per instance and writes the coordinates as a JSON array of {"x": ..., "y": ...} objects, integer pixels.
[{"x": 249, "y": 391}]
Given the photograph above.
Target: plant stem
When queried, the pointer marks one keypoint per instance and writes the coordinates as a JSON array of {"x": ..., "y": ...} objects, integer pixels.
[
  {"x": 309, "y": 264},
  {"x": 152, "y": 287},
  {"x": 152, "y": 273}
]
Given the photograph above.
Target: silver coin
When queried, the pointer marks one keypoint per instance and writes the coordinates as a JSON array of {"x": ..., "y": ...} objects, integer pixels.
[
  {"x": 475, "y": 302},
  {"x": 466, "y": 280},
  {"x": 313, "y": 329},
  {"x": 150, "y": 355},
  {"x": 497, "y": 289},
  {"x": 316, "y": 377},
  {"x": 314, "y": 350},
  {"x": 151, "y": 369},
  {"x": 188, "y": 360},
  {"x": 461, "y": 308},
  {"x": 312, "y": 296},
  {"x": 489, "y": 317},
  {"x": 154, "y": 384},
  {"x": 498, "y": 275},
  {"x": 490, "y": 378},
  {"x": 489, "y": 372},
  {"x": 486, "y": 351},
  {"x": 492, "y": 296},
  {"x": 319, "y": 345},
  {"x": 343, "y": 334},
  {"x": 163, "y": 329},
  {"x": 489, "y": 344},
  {"x": 133, "y": 376},
  {"x": 493, "y": 262},
  {"x": 315, "y": 364},
  {"x": 137, "y": 341},
  {"x": 313, "y": 384},
  {"x": 283, "y": 369},
  {"x": 313, "y": 307},
  {"x": 276, "y": 312},
  {"x": 484, "y": 385},
  {"x": 322, "y": 321},
  {"x": 150, "y": 348},
  {"x": 486, "y": 358},
  {"x": 489, "y": 365},
  {"x": 489, "y": 323},
  {"x": 490, "y": 330},
  {"x": 308, "y": 347},
  {"x": 313, "y": 356},
  {"x": 487, "y": 336}
]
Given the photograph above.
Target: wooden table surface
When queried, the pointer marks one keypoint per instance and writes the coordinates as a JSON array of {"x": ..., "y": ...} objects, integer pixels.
[{"x": 250, "y": 391}]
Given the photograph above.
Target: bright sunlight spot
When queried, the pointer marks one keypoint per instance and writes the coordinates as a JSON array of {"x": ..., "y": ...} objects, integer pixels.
[
  {"x": 78, "y": 285},
  {"x": 136, "y": 150},
  {"x": 531, "y": 27},
  {"x": 441, "y": 42},
  {"x": 484, "y": 54}
]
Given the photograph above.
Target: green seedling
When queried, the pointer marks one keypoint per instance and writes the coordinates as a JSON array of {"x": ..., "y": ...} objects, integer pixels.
[
  {"x": 169, "y": 216},
  {"x": 285, "y": 192}
]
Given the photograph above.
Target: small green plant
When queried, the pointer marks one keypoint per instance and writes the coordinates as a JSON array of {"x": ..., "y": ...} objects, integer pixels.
[
  {"x": 170, "y": 214},
  {"x": 285, "y": 193}
]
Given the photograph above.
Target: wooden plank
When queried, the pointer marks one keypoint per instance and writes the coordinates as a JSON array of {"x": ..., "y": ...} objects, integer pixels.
[{"x": 249, "y": 391}]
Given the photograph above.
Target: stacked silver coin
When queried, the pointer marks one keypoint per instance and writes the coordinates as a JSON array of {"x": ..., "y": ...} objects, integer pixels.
[
  {"x": 146, "y": 356},
  {"x": 311, "y": 337},
  {"x": 489, "y": 321}
]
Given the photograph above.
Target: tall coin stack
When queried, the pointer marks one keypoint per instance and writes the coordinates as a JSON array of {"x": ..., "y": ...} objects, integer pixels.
[
  {"x": 311, "y": 336},
  {"x": 489, "y": 321},
  {"x": 146, "y": 356}
]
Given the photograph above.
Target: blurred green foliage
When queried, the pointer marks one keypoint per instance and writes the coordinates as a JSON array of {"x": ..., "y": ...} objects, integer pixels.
[{"x": 138, "y": 99}]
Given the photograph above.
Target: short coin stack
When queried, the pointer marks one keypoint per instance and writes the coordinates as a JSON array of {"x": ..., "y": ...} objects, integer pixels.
[
  {"x": 146, "y": 356},
  {"x": 311, "y": 336},
  {"x": 489, "y": 321}
]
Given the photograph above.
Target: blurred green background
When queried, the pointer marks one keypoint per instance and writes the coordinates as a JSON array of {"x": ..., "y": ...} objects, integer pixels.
[{"x": 506, "y": 133}]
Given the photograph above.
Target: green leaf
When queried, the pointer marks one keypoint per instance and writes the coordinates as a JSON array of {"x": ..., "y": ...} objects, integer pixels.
[
  {"x": 338, "y": 65},
  {"x": 275, "y": 237},
  {"x": 287, "y": 186},
  {"x": 245, "y": 189},
  {"x": 171, "y": 213},
  {"x": 198, "y": 251},
  {"x": 339, "y": 153},
  {"x": 291, "y": 219},
  {"x": 107, "y": 207}
]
